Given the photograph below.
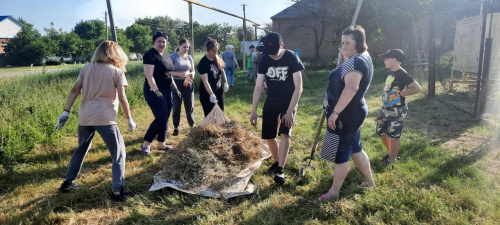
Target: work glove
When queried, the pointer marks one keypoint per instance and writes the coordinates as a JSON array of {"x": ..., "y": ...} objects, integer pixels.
[
  {"x": 159, "y": 94},
  {"x": 131, "y": 124},
  {"x": 62, "y": 120},
  {"x": 226, "y": 87},
  {"x": 213, "y": 99}
]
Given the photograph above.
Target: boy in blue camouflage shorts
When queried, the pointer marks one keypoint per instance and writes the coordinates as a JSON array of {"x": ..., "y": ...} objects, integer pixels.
[{"x": 397, "y": 86}]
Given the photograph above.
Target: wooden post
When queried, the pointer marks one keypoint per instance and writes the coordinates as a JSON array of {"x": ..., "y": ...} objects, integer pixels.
[
  {"x": 191, "y": 50},
  {"x": 481, "y": 57},
  {"x": 431, "y": 83},
  {"x": 244, "y": 39}
]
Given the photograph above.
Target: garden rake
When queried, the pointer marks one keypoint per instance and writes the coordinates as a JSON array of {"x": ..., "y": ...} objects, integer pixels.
[{"x": 302, "y": 169}]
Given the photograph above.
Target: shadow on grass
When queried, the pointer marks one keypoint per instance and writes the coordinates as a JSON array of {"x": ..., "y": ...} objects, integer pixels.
[
  {"x": 454, "y": 166},
  {"x": 17, "y": 178}
]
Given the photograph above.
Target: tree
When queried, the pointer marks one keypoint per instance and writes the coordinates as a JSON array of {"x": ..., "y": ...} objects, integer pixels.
[
  {"x": 318, "y": 16},
  {"x": 124, "y": 42},
  {"x": 27, "y": 47},
  {"x": 69, "y": 44},
  {"x": 91, "y": 30},
  {"x": 163, "y": 24},
  {"x": 52, "y": 40},
  {"x": 220, "y": 32},
  {"x": 140, "y": 36}
]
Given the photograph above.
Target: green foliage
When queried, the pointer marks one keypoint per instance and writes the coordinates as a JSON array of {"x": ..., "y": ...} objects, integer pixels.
[
  {"x": 140, "y": 36},
  {"x": 91, "y": 30},
  {"x": 124, "y": 41},
  {"x": 29, "y": 109},
  {"x": 27, "y": 47}
]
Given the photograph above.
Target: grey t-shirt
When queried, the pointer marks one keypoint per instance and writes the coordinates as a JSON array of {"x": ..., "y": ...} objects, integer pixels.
[{"x": 181, "y": 64}]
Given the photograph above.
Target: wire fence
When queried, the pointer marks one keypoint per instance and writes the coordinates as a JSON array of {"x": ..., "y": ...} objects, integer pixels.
[{"x": 443, "y": 55}]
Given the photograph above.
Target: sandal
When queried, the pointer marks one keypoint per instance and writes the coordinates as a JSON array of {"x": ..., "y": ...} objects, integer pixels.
[
  {"x": 146, "y": 151},
  {"x": 326, "y": 198}
]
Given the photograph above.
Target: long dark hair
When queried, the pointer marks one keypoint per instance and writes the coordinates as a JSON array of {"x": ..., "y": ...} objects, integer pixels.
[
  {"x": 181, "y": 42},
  {"x": 211, "y": 44},
  {"x": 358, "y": 35}
]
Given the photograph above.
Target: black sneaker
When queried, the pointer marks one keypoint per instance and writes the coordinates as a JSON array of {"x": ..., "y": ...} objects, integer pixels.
[
  {"x": 69, "y": 186},
  {"x": 122, "y": 196},
  {"x": 176, "y": 132},
  {"x": 386, "y": 157},
  {"x": 388, "y": 164},
  {"x": 273, "y": 168},
  {"x": 279, "y": 176}
]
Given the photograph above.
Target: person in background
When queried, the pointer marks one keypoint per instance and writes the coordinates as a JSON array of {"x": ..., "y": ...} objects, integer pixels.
[
  {"x": 229, "y": 62},
  {"x": 102, "y": 84},
  {"x": 250, "y": 66},
  {"x": 183, "y": 77},
  {"x": 213, "y": 80},
  {"x": 398, "y": 86},
  {"x": 346, "y": 110},
  {"x": 157, "y": 89},
  {"x": 282, "y": 69}
]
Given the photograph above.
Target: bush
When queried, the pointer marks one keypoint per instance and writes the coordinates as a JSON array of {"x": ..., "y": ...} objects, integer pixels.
[
  {"x": 320, "y": 64},
  {"x": 52, "y": 63}
]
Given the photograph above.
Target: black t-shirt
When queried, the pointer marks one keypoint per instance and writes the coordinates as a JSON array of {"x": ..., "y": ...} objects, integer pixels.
[
  {"x": 279, "y": 75},
  {"x": 395, "y": 81},
  {"x": 162, "y": 71},
  {"x": 205, "y": 66}
]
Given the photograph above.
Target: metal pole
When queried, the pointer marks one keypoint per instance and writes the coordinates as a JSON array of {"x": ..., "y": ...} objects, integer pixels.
[
  {"x": 431, "y": 84},
  {"x": 244, "y": 38},
  {"x": 486, "y": 76},
  {"x": 488, "y": 47},
  {"x": 191, "y": 50},
  {"x": 355, "y": 17},
  {"x": 480, "y": 63},
  {"x": 112, "y": 21}
]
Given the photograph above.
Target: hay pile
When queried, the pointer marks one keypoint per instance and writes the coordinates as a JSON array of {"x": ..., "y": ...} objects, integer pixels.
[{"x": 211, "y": 156}]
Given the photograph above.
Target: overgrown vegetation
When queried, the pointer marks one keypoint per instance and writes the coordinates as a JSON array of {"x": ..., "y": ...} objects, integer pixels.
[{"x": 440, "y": 178}]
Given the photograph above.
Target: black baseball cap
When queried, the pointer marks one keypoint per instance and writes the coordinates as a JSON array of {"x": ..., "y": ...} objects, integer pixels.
[
  {"x": 260, "y": 46},
  {"x": 394, "y": 53},
  {"x": 271, "y": 43}
]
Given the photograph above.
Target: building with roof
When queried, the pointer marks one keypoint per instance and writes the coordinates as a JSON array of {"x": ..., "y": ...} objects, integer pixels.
[
  {"x": 9, "y": 27},
  {"x": 308, "y": 25}
]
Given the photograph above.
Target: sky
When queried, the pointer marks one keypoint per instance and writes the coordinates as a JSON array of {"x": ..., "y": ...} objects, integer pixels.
[{"x": 65, "y": 14}]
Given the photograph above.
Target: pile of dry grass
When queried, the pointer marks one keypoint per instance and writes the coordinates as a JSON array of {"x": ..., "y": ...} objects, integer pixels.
[{"x": 211, "y": 156}]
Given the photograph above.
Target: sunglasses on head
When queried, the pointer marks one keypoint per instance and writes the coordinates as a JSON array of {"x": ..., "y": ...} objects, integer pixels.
[{"x": 160, "y": 34}]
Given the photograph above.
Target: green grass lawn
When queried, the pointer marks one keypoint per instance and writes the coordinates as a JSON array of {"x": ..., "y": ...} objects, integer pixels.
[{"x": 447, "y": 173}]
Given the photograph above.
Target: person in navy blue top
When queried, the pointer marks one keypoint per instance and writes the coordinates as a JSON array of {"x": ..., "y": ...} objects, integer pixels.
[
  {"x": 158, "y": 69},
  {"x": 281, "y": 67},
  {"x": 346, "y": 110}
]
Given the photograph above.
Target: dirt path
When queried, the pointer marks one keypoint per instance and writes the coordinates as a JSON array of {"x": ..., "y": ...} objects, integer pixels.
[{"x": 29, "y": 72}]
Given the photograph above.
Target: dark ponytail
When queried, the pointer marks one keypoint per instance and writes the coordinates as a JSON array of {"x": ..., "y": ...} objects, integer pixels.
[{"x": 181, "y": 42}]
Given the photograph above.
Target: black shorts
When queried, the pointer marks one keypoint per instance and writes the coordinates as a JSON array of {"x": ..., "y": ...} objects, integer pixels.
[{"x": 271, "y": 120}]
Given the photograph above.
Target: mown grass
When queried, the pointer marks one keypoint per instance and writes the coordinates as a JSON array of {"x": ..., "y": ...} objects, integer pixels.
[
  {"x": 437, "y": 181},
  {"x": 27, "y": 69}
]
